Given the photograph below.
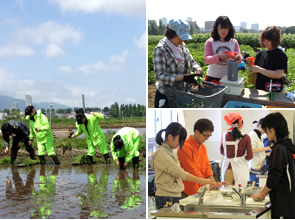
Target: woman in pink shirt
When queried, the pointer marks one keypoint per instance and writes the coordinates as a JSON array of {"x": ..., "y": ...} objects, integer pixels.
[{"x": 221, "y": 48}]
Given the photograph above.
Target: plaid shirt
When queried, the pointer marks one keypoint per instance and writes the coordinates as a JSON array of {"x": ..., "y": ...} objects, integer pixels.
[{"x": 166, "y": 68}]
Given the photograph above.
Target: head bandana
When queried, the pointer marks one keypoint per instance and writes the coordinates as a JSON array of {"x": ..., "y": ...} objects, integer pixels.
[{"x": 230, "y": 118}]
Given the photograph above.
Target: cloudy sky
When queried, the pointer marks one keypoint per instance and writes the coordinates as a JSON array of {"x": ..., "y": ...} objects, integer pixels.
[
  {"x": 57, "y": 50},
  {"x": 263, "y": 12}
]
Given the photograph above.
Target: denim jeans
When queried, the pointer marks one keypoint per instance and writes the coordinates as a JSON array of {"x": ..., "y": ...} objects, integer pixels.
[{"x": 161, "y": 200}]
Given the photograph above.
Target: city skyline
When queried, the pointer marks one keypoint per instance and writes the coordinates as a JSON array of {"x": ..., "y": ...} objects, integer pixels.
[
  {"x": 252, "y": 12},
  {"x": 243, "y": 24}
]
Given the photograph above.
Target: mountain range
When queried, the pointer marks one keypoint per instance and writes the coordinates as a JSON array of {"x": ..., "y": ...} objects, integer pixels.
[{"x": 6, "y": 101}]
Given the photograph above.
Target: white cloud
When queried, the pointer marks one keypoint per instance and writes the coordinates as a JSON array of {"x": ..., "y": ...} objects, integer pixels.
[
  {"x": 53, "y": 50},
  {"x": 16, "y": 50},
  {"x": 122, "y": 7},
  {"x": 49, "y": 34},
  {"x": 130, "y": 100},
  {"x": 140, "y": 43},
  {"x": 119, "y": 59},
  {"x": 116, "y": 64},
  {"x": 95, "y": 68}
]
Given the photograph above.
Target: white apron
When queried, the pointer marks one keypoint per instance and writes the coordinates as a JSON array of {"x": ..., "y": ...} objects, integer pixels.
[{"x": 239, "y": 164}]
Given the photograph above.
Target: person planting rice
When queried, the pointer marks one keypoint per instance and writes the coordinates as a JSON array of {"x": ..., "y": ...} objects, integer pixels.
[
  {"x": 88, "y": 124},
  {"x": 20, "y": 132},
  {"x": 39, "y": 127},
  {"x": 124, "y": 147}
]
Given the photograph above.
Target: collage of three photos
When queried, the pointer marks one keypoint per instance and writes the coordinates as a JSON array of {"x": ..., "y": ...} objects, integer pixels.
[{"x": 146, "y": 110}]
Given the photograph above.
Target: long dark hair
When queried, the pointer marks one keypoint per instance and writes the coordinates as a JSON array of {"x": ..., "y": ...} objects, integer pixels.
[
  {"x": 80, "y": 115},
  {"x": 235, "y": 132},
  {"x": 174, "y": 129},
  {"x": 29, "y": 109},
  {"x": 278, "y": 122},
  {"x": 225, "y": 23}
]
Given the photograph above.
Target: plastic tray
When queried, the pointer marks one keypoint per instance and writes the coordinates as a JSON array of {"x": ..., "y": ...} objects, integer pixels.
[
  {"x": 236, "y": 104},
  {"x": 208, "y": 97}
]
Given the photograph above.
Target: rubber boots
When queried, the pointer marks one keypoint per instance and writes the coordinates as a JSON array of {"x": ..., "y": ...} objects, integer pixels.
[
  {"x": 55, "y": 160},
  {"x": 32, "y": 156},
  {"x": 42, "y": 160},
  {"x": 12, "y": 158},
  {"x": 135, "y": 161},
  {"x": 89, "y": 160},
  {"x": 107, "y": 158}
]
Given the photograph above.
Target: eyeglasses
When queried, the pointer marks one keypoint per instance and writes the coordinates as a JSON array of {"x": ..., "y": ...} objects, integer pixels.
[{"x": 206, "y": 136}]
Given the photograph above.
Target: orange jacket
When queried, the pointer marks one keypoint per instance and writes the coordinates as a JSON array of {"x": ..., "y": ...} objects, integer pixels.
[{"x": 194, "y": 160}]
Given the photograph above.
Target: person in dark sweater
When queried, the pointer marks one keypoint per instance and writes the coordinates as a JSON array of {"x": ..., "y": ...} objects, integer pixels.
[
  {"x": 270, "y": 64},
  {"x": 20, "y": 132},
  {"x": 280, "y": 183}
]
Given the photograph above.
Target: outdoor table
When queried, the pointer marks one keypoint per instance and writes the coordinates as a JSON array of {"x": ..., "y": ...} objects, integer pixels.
[{"x": 260, "y": 97}]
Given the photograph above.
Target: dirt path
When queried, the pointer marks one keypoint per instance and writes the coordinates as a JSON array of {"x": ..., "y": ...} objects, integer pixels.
[{"x": 151, "y": 95}]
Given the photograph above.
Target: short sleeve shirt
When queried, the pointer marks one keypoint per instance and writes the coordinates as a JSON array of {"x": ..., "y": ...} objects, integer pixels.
[{"x": 271, "y": 60}]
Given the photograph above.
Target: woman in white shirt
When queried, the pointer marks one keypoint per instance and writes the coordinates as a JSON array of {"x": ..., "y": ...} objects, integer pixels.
[{"x": 257, "y": 165}]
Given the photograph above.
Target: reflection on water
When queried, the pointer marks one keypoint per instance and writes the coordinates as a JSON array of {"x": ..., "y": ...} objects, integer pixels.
[{"x": 99, "y": 191}]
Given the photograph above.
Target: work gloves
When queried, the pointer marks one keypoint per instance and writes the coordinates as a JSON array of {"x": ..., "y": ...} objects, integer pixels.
[{"x": 190, "y": 78}]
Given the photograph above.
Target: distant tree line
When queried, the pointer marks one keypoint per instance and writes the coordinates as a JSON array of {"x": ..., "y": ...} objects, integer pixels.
[
  {"x": 155, "y": 29},
  {"x": 114, "y": 111}
]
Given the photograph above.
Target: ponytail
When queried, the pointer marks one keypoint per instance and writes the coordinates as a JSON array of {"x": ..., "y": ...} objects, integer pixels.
[
  {"x": 174, "y": 129},
  {"x": 235, "y": 131},
  {"x": 159, "y": 138}
]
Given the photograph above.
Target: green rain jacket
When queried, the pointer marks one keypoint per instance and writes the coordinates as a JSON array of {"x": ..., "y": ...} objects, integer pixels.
[
  {"x": 41, "y": 122},
  {"x": 131, "y": 139},
  {"x": 93, "y": 133}
]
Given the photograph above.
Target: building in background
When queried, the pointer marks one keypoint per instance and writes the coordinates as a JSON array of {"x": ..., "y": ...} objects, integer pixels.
[
  {"x": 28, "y": 100},
  {"x": 3, "y": 115},
  {"x": 255, "y": 27},
  {"x": 164, "y": 21},
  {"x": 209, "y": 25},
  {"x": 14, "y": 106},
  {"x": 243, "y": 25}
]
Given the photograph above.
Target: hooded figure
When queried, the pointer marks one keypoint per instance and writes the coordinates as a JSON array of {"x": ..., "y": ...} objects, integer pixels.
[
  {"x": 88, "y": 124},
  {"x": 20, "y": 133},
  {"x": 124, "y": 147},
  {"x": 40, "y": 128}
]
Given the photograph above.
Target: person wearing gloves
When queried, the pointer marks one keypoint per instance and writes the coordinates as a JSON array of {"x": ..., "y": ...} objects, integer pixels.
[
  {"x": 193, "y": 156},
  {"x": 237, "y": 149},
  {"x": 257, "y": 164},
  {"x": 168, "y": 173},
  {"x": 88, "y": 124},
  {"x": 39, "y": 127},
  {"x": 173, "y": 62},
  {"x": 20, "y": 132},
  {"x": 221, "y": 48},
  {"x": 124, "y": 147},
  {"x": 280, "y": 183}
]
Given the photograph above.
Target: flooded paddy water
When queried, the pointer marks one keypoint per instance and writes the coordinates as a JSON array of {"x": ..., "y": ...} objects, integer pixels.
[{"x": 66, "y": 191}]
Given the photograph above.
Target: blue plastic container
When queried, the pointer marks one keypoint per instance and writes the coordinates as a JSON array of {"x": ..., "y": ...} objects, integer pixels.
[{"x": 236, "y": 104}]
